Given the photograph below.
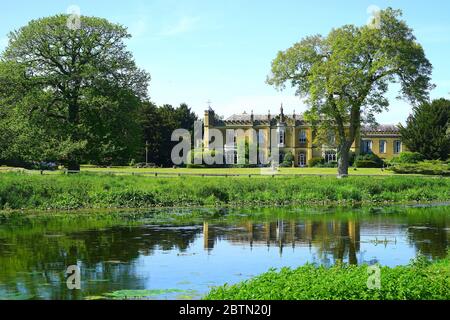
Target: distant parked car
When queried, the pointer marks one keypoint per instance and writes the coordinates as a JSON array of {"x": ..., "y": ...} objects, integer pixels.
[{"x": 47, "y": 166}]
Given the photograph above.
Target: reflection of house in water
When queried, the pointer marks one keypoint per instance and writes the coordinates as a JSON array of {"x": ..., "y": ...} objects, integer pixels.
[{"x": 338, "y": 238}]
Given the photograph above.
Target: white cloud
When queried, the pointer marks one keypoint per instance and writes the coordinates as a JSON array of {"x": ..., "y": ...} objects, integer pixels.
[{"x": 185, "y": 24}]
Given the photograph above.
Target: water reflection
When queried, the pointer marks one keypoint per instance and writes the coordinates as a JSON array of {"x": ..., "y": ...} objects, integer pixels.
[
  {"x": 137, "y": 254},
  {"x": 341, "y": 239}
]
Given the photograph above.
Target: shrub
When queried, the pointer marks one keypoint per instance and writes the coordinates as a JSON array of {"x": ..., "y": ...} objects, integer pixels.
[
  {"x": 368, "y": 160},
  {"x": 432, "y": 167},
  {"x": 314, "y": 162},
  {"x": 409, "y": 157},
  {"x": 288, "y": 160},
  {"x": 417, "y": 281}
]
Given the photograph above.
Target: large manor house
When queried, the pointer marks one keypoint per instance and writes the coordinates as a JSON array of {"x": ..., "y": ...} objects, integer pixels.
[{"x": 295, "y": 135}]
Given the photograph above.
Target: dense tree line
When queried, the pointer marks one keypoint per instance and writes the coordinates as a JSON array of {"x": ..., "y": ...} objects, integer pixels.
[
  {"x": 158, "y": 123},
  {"x": 76, "y": 96}
]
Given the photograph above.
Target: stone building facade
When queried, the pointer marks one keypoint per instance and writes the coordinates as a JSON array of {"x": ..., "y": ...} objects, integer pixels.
[{"x": 295, "y": 136}]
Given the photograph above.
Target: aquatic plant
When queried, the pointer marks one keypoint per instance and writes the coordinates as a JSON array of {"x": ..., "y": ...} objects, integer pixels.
[{"x": 418, "y": 281}]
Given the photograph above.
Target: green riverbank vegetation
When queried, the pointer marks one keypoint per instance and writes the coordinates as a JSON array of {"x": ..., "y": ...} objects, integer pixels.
[
  {"x": 83, "y": 191},
  {"x": 421, "y": 280}
]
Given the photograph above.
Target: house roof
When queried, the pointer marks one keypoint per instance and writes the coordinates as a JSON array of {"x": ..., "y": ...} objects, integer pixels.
[
  {"x": 383, "y": 128},
  {"x": 246, "y": 118}
]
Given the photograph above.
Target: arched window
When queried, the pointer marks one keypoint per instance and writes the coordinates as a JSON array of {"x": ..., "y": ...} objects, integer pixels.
[{"x": 330, "y": 156}]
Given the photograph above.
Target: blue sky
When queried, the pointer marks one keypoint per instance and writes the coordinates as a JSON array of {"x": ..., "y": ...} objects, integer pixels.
[{"x": 221, "y": 50}]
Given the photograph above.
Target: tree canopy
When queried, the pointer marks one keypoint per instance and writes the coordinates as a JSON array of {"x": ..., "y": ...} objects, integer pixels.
[
  {"x": 158, "y": 124},
  {"x": 70, "y": 94},
  {"x": 344, "y": 76},
  {"x": 427, "y": 130}
]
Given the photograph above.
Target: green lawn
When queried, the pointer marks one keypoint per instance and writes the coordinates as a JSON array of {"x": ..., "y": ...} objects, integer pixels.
[
  {"x": 255, "y": 171},
  {"x": 218, "y": 171}
]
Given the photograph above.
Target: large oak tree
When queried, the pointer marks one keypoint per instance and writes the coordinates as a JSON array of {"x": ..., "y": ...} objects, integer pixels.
[
  {"x": 75, "y": 91},
  {"x": 344, "y": 76}
]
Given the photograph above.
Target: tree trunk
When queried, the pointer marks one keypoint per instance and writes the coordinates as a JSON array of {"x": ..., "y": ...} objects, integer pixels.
[
  {"x": 343, "y": 161},
  {"x": 73, "y": 164}
]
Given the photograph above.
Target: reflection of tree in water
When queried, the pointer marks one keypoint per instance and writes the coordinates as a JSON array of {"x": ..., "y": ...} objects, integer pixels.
[
  {"x": 34, "y": 265},
  {"x": 33, "y": 260},
  {"x": 340, "y": 239},
  {"x": 432, "y": 241}
]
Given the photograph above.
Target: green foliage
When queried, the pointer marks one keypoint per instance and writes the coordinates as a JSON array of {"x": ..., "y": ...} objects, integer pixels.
[
  {"x": 19, "y": 191},
  {"x": 430, "y": 167},
  {"x": 418, "y": 281},
  {"x": 288, "y": 160},
  {"x": 158, "y": 124},
  {"x": 70, "y": 95},
  {"x": 408, "y": 157},
  {"x": 351, "y": 158},
  {"x": 369, "y": 160},
  {"x": 314, "y": 162},
  {"x": 347, "y": 73},
  {"x": 427, "y": 130}
]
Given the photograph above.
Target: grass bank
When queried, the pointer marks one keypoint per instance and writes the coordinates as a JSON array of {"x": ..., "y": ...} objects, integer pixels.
[
  {"x": 212, "y": 171},
  {"x": 82, "y": 191},
  {"x": 421, "y": 280}
]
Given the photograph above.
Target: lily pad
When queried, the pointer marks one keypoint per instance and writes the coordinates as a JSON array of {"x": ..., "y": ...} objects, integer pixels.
[{"x": 139, "y": 294}]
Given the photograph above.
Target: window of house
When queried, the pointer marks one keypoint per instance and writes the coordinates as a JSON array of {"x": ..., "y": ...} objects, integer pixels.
[
  {"x": 367, "y": 146},
  {"x": 330, "y": 156},
  {"x": 397, "y": 146},
  {"x": 382, "y": 146},
  {"x": 302, "y": 160},
  {"x": 302, "y": 136}
]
